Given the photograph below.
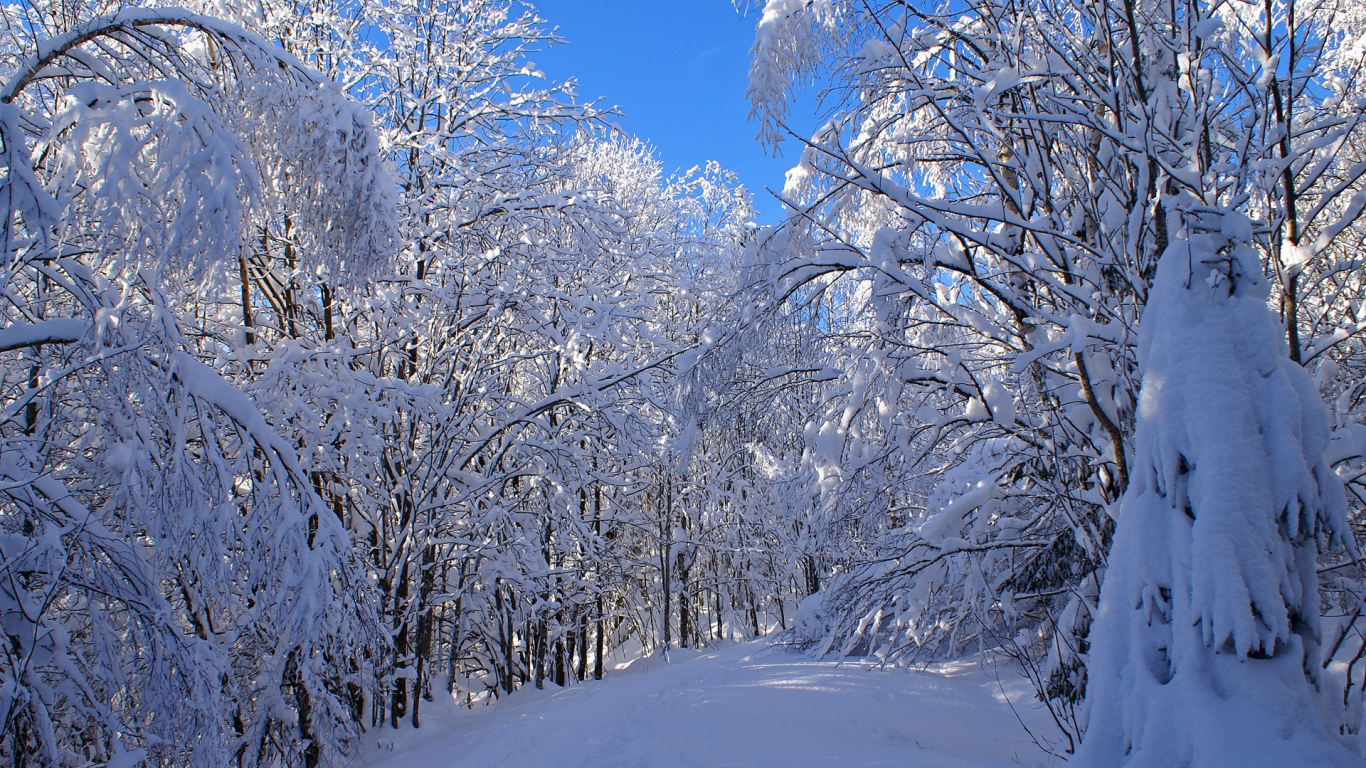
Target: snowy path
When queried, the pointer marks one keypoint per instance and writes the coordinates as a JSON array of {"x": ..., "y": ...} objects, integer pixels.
[{"x": 747, "y": 707}]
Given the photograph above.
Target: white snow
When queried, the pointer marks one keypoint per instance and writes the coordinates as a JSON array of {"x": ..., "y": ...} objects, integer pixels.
[
  {"x": 1208, "y": 620},
  {"x": 63, "y": 330},
  {"x": 749, "y": 706}
]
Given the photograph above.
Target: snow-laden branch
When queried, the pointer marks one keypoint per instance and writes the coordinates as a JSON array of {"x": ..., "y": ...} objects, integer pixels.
[
  {"x": 56, "y": 331},
  {"x": 127, "y": 19}
]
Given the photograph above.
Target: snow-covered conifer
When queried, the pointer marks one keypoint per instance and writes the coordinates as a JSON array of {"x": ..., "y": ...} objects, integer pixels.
[{"x": 1206, "y": 647}]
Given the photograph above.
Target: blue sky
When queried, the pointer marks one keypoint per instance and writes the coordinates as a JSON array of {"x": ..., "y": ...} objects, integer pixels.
[{"x": 677, "y": 69}]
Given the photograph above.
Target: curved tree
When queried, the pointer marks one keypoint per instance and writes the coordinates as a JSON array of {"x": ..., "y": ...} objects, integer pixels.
[{"x": 171, "y": 586}]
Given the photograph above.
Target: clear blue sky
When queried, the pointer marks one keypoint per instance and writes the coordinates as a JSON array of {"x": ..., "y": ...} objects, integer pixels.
[{"x": 677, "y": 69}]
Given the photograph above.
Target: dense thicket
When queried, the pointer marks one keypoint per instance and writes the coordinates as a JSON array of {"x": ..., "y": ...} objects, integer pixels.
[
  {"x": 346, "y": 363},
  {"x": 339, "y": 373},
  {"x": 974, "y": 236}
]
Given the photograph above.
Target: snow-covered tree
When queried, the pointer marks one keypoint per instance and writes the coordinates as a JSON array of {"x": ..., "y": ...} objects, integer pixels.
[
  {"x": 174, "y": 590},
  {"x": 981, "y": 215},
  {"x": 1206, "y": 648}
]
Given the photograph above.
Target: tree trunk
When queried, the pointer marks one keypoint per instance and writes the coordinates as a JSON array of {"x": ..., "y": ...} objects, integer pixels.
[
  {"x": 539, "y": 653},
  {"x": 685, "y": 628},
  {"x": 602, "y": 642},
  {"x": 720, "y": 628},
  {"x": 561, "y": 663},
  {"x": 247, "y": 321},
  {"x": 666, "y": 559},
  {"x": 813, "y": 576},
  {"x": 426, "y": 585},
  {"x": 399, "y": 705},
  {"x": 583, "y": 645}
]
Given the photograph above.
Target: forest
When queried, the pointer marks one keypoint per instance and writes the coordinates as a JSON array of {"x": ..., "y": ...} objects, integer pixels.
[{"x": 348, "y": 364}]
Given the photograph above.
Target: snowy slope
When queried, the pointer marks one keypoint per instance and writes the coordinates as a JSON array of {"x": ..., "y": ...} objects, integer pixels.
[{"x": 748, "y": 706}]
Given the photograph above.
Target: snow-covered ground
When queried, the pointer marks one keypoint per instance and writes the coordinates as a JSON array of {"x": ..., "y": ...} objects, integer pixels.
[{"x": 748, "y": 706}]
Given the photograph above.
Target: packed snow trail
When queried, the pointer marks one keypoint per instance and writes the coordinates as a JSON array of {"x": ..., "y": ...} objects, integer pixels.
[{"x": 748, "y": 706}]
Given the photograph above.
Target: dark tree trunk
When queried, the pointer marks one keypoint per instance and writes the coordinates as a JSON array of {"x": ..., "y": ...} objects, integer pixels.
[
  {"x": 583, "y": 645},
  {"x": 602, "y": 642},
  {"x": 685, "y": 628},
  {"x": 561, "y": 662},
  {"x": 539, "y": 653},
  {"x": 399, "y": 706},
  {"x": 813, "y": 576},
  {"x": 601, "y": 617},
  {"x": 248, "y": 321},
  {"x": 426, "y": 586},
  {"x": 720, "y": 628},
  {"x": 304, "y": 708},
  {"x": 666, "y": 561}
]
